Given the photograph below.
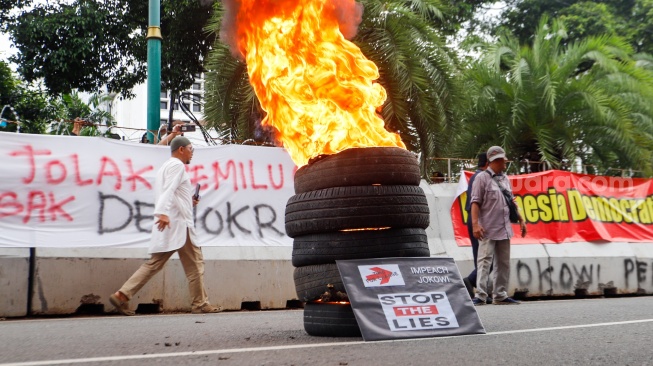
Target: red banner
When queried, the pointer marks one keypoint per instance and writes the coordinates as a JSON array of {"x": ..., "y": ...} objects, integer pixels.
[{"x": 561, "y": 207}]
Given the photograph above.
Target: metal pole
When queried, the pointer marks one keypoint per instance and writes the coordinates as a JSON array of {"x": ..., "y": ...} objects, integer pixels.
[
  {"x": 449, "y": 170},
  {"x": 153, "y": 68},
  {"x": 30, "y": 279}
]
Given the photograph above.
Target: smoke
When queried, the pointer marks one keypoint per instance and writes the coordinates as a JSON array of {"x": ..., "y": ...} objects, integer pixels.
[
  {"x": 228, "y": 27},
  {"x": 348, "y": 12}
]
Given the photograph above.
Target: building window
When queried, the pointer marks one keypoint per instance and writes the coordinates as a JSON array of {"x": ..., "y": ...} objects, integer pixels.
[
  {"x": 175, "y": 106},
  {"x": 164, "y": 94},
  {"x": 164, "y": 105},
  {"x": 197, "y": 107},
  {"x": 197, "y": 86}
]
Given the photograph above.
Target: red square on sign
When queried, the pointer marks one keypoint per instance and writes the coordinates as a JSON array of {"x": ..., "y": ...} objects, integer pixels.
[{"x": 415, "y": 310}]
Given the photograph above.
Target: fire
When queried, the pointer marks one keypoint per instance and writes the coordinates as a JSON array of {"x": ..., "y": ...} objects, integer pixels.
[{"x": 317, "y": 87}]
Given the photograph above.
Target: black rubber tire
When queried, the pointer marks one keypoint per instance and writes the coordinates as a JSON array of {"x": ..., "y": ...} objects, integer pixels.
[
  {"x": 359, "y": 167},
  {"x": 327, "y": 247},
  {"x": 311, "y": 281},
  {"x": 342, "y": 208},
  {"x": 330, "y": 320}
]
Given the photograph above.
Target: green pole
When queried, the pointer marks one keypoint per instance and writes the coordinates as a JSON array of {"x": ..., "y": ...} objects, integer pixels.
[{"x": 153, "y": 67}]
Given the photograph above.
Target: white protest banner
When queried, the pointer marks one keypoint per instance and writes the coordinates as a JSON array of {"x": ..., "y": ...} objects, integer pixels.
[{"x": 65, "y": 191}]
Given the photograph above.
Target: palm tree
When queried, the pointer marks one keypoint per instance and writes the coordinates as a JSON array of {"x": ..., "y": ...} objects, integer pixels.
[
  {"x": 550, "y": 101},
  {"x": 71, "y": 106},
  {"x": 416, "y": 69}
]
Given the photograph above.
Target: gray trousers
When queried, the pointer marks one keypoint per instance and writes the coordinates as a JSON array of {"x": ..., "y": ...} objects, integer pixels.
[{"x": 500, "y": 251}]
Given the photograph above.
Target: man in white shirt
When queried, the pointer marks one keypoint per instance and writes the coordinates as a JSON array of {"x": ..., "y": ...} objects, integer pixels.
[{"x": 173, "y": 231}]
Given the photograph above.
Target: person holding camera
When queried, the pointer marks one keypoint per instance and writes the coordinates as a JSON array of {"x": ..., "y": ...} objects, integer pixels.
[
  {"x": 491, "y": 226},
  {"x": 178, "y": 129},
  {"x": 165, "y": 137},
  {"x": 173, "y": 231}
]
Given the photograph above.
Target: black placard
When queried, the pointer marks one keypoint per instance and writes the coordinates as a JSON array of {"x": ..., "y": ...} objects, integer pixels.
[{"x": 396, "y": 298}]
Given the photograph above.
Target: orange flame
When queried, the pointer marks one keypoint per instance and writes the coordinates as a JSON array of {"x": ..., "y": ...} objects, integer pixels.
[{"x": 317, "y": 87}]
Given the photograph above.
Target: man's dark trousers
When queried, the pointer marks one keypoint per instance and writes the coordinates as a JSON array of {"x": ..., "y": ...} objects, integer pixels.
[{"x": 470, "y": 231}]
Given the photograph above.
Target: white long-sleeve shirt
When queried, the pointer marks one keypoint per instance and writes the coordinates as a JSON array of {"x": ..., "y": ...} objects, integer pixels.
[{"x": 173, "y": 193}]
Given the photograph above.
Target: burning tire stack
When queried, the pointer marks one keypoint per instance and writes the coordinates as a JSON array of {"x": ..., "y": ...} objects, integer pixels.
[{"x": 357, "y": 204}]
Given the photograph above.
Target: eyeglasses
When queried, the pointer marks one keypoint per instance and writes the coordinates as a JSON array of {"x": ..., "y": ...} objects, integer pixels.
[{"x": 190, "y": 148}]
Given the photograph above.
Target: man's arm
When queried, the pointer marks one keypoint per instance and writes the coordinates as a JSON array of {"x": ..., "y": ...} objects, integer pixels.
[
  {"x": 477, "y": 229},
  {"x": 172, "y": 180},
  {"x": 175, "y": 132},
  {"x": 522, "y": 222},
  {"x": 478, "y": 192}
]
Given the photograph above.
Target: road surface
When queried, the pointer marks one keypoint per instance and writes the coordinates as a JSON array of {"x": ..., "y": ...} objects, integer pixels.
[{"x": 602, "y": 331}]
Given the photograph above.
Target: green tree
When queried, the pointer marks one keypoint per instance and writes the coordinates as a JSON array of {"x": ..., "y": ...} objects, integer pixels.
[
  {"x": 459, "y": 14},
  {"x": 548, "y": 101},
  {"x": 89, "y": 44},
  {"x": 629, "y": 19},
  {"x": 8, "y": 90},
  {"x": 183, "y": 55},
  {"x": 71, "y": 106},
  {"x": 642, "y": 27},
  {"x": 7, "y": 84},
  {"x": 29, "y": 105},
  {"x": 6, "y": 7},
  {"x": 84, "y": 45},
  {"x": 416, "y": 69},
  {"x": 36, "y": 110}
]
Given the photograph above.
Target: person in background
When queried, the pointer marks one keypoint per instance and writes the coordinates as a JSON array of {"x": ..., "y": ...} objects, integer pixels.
[
  {"x": 144, "y": 139},
  {"x": 470, "y": 281},
  {"x": 167, "y": 137},
  {"x": 173, "y": 231},
  {"x": 491, "y": 226}
]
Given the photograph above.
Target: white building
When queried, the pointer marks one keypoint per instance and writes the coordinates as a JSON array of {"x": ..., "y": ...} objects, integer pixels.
[{"x": 131, "y": 114}]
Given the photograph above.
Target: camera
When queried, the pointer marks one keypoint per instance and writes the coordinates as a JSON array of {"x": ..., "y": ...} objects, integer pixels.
[{"x": 187, "y": 128}]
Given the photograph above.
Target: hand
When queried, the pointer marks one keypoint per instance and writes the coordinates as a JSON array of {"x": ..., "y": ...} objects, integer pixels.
[
  {"x": 522, "y": 225},
  {"x": 196, "y": 201},
  {"x": 77, "y": 126},
  {"x": 176, "y": 129},
  {"x": 478, "y": 231},
  {"x": 162, "y": 222}
]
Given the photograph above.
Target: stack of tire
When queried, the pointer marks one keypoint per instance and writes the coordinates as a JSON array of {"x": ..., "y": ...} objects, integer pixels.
[{"x": 360, "y": 203}]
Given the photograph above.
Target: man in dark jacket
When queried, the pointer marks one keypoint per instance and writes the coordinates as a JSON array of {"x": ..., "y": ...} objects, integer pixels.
[{"x": 470, "y": 281}]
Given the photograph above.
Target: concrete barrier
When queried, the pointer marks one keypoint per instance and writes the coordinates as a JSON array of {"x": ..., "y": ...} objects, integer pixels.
[
  {"x": 640, "y": 269},
  {"x": 14, "y": 281},
  {"x": 70, "y": 280},
  {"x": 67, "y": 279}
]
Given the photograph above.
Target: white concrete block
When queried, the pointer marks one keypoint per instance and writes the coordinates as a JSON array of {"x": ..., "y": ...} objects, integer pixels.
[
  {"x": 14, "y": 279},
  {"x": 642, "y": 269},
  {"x": 593, "y": 266}
]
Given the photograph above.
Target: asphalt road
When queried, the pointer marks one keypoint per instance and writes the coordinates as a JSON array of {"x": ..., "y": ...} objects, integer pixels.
[{"x": 613, "y": 331}]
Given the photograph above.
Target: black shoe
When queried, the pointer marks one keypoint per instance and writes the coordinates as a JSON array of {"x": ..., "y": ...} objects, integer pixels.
[
  {"x": 489, "y": 301},
  {"x": 470, "y": 288}
]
